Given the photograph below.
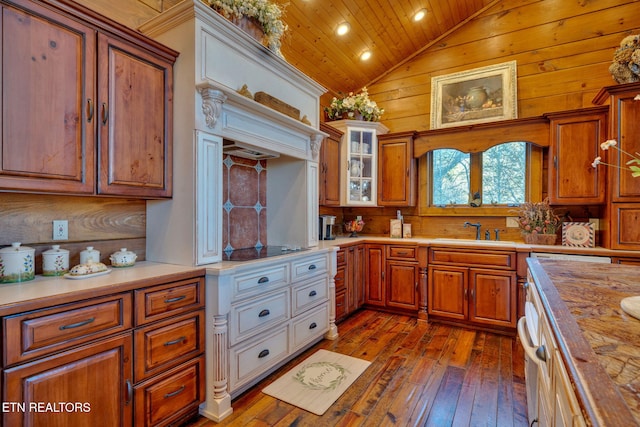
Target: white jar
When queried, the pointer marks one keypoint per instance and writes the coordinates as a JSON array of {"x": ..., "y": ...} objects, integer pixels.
[
  {"x": 123, "y": 258},
  {"x": 55, "y": 261},
  {"x": 17, "y": 263},
  {"x": 89, "y": 254}
]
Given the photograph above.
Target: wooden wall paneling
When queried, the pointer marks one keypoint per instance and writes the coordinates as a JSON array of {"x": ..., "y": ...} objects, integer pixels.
[{"x": 108, "y": 224}]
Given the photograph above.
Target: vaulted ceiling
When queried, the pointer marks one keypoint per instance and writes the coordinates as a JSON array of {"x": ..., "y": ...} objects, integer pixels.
[{"x": 385, "y": 27}]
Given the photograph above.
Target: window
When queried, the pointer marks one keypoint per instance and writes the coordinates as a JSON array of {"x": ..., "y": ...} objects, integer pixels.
[{"x": 498, "y": 177}]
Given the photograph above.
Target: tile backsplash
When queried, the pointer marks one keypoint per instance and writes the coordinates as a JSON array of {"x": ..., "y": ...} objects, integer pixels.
[{"x": 244, "y": 188}]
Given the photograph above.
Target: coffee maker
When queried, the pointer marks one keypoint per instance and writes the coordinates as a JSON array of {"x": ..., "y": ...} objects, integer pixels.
[{"x": 326, "y": 227}]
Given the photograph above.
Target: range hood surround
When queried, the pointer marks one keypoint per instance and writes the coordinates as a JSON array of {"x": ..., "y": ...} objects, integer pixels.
[{"x": 216, "y": 60}]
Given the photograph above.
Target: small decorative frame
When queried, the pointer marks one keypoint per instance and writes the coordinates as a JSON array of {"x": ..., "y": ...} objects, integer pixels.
[
  {"x": 579, "y": 234},
  {"x": 484, "y": 94}
]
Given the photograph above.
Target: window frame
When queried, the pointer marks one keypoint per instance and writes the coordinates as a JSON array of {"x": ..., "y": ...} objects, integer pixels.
[{"x": 533, "y": 184}]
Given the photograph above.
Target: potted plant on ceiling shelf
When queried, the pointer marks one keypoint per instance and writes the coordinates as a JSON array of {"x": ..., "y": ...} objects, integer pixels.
[
  {"x": 354, "y": 107},
  {"x": 538, "y": 223},
  {"x": 262, "y": 19}
]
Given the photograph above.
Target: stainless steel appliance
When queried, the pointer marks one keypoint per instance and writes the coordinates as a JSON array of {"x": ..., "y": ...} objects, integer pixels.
[{"x": 326, "y": 227}]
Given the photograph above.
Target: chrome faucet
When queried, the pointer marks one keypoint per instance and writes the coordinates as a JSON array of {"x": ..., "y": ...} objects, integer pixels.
[{"x": 477, "y": 225}]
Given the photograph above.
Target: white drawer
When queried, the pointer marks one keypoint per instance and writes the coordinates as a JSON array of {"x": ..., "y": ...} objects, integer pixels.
[
  {"x": 308, "y": 267},
  {"x": 256, "y": 315},
  {"x": 309, "y": 294},
  {"x": 260, "y": 280},
  {"x": 310, "y": 326},
  {"x": 249, "y": 361}
]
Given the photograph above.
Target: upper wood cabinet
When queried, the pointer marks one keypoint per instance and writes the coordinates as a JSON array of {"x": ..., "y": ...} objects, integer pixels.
[
  {"x": 75, "y": 89},
  {"x": 574, "y": 144},
  {"x": 397, "y": 171},
  {"x": 329, "y": 164}
]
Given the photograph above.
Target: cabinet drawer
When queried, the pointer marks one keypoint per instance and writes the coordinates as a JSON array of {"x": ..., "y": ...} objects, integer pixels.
[
  {"x": 33, "y": 334},
  {"x": 163, "y": 301},
  {"x": 341, "y": 304},
  {"x": 168, "y": 343},
  {"x": 470, "y": 258},
  {"x": 339, "y": 279},
  {"x": 310, "y": 326},
  {"x": 264, "y": 279},
  {"x": 309, "y": 294},
  {"x": 405, "y": 253},
  {"x": 340, "y": 257},
  {"x": 257, "y": 315},
  {"x": 249, "y": 361},
  {"x": 308, "y": 267},
  {"x": 172, "y": 395}
]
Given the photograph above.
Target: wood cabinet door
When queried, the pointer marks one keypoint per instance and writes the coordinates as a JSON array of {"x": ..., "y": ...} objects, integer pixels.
[
  {"x": 396, "y": 170},
  {"x": 575, "y": 143},
  {"x": 134, "y": 114},
  {"x": 402, "y": 285},
  {"x": 330, "y": 167},
  {"x": 625, "y": 128},
  {"x": 625, "y": 228},
  {"x": 448, "y": 292},
  {"x": 94, "y": 379},
  {"x": 493, "y": 297},
  {"x": 375, "y": 275},
  {"x": 48, "y": 102}
]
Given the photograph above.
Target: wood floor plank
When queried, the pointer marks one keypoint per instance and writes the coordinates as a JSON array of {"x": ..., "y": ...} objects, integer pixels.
[{"x": 421, "y": 373}]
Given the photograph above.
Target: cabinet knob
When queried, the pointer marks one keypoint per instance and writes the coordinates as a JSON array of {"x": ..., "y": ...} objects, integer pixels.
[
  {"x": 105, "y": 113},
  {"x": 263, "y": 353},
  {"x": 89, "y": 110},
  {"x": 263, "y": 279},
  {"x": 264, "y": 313},
  {"x": 313, "y": 293},
  {"x": 312, "y": 267},
  {"x": 313, "y": 325}
]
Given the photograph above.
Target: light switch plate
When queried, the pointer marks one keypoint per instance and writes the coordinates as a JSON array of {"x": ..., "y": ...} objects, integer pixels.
[{"x": 60, "y": 229}]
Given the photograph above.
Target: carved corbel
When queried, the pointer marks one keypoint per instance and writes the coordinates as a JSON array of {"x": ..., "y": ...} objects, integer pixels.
[
  {"x": 212, "y": 101},
  {"x": 315, "y": 145}
]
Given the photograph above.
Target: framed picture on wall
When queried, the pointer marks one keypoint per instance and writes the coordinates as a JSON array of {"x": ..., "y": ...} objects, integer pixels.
[{"x": 485, "y": 94}]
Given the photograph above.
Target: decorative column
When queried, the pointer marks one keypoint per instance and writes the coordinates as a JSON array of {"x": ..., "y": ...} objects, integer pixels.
[
  {"x": 423, "y": 252},
  {"x": 332, "y": 333}
]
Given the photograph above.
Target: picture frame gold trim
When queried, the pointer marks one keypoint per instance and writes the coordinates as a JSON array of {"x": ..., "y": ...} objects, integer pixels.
[{"x": 480, "y": 95}]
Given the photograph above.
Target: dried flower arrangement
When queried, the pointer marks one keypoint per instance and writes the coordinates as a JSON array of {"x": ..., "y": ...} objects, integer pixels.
[
  {"x": 354, "y": 107},
  {"x": 537, "y": 218}
]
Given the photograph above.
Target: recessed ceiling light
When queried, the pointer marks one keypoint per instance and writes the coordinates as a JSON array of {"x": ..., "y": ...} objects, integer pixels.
[
  {"x": 343, "y": 29},
  {"x": 419, "y": 15},
  {"x": 365, "y": 55}
]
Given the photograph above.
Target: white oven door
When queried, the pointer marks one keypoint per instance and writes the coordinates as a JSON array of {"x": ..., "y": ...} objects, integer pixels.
[{"x": 528, "y": 333}]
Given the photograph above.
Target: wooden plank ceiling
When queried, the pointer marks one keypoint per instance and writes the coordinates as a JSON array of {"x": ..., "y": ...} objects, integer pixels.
[{"x": 385, "y": 27}]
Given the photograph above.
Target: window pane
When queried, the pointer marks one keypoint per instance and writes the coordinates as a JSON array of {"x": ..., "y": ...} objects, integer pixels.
[
  {"x": 503, "y": 174},
  {"x": 450, "y": 177}
]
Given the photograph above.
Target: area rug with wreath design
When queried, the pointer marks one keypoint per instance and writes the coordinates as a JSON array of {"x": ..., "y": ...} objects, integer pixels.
[{"x": 318, "y": 381}]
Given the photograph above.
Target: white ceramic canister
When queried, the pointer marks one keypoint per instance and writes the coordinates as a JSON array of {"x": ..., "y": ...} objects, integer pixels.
[
  {"x": 89, "y": 254},
  {"x": 17, "y": 263},
  {"x": 55, "y": 261},
  {"x": 123, "y": 258}
]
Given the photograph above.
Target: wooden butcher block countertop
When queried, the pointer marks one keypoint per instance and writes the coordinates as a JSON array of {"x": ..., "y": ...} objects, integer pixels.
[{"x": 598, "y": 341}]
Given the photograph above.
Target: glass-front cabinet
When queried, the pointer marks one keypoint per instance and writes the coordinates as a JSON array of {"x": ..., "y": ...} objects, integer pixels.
[{"x": 359, "y": 161}]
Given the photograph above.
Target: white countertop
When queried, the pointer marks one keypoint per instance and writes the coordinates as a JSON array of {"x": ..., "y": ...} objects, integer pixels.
[{"x": 47, "y": 287}]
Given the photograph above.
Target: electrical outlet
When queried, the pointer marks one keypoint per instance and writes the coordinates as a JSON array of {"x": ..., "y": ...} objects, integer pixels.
[
  {"x": 60, "y": 229},
  {"x": 512, "y": 222}
]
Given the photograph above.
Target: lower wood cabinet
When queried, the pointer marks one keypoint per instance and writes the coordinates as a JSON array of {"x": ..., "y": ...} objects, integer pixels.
[
  {"x": 349, "y": 280},
  {"x": 391, "y": 277},
  {"x": 131, "y": 358},
  {"x": 473, "y": 287},
  {"x": 88, "y": 385}
]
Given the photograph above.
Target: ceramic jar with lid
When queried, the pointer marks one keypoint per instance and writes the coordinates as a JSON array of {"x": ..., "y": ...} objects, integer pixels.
[
  {"x": 89, "y": 254},
  {"x": 123, "y": 258},
  {"x": 55, "y": 261},
  {"x": 17, "y": 263}
]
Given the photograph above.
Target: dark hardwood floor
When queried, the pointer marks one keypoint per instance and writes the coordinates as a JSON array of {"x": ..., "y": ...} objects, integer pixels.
[{"x": 422, "y": 374}]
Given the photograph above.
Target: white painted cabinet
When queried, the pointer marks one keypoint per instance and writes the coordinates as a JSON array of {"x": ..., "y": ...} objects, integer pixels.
[{"x": 359, "y": 161}]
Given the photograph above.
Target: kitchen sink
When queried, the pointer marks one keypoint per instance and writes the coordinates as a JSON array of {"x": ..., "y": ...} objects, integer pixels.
[{"x": 472, "y": 241}]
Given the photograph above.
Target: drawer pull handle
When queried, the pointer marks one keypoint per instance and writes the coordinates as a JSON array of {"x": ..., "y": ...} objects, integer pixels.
[
  {"x": 312, "y": 267},
  {"x": 263, "y": 279},
  {"x": 175, "y": 299},
  {"x": 176, "y": 341},
  {"x": 174, "y": 393},
  {"x": 313, "y": 325},
  {"x": 264, "y": 313},
  {"x": 263, "y": 353},
  {"x": 313, "y": 293},
  {"x": 77, "y": 325},
  {"x": 403, "y": 253}
]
